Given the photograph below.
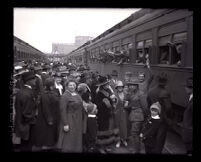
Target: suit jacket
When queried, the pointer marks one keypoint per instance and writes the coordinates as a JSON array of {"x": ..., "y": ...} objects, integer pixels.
[{"x": 25, "y": 107}]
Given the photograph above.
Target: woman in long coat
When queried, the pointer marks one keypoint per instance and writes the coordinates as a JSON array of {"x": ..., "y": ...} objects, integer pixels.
[
  {"x": 71, "y": 125},
  {"x": 46, "y": 128},
  {"x": 121, "y": 114}
]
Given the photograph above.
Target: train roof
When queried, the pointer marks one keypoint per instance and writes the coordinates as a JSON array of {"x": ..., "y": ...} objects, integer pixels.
[
  {"x": 133, "y": 20},
  {"x": 27, "y": 44}
]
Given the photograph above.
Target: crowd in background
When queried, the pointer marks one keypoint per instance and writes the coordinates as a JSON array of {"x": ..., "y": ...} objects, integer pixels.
[{"x": 69, "y": 108}]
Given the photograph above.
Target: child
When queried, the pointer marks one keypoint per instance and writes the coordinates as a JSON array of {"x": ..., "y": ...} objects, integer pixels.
[
  {"x": 91, "y": 121},
  {"x": 150, "y": 129}
]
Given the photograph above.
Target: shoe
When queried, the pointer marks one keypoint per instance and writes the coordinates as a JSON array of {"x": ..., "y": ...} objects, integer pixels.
[
  {"x": 108, "y": 150},
  {"x": 118, "y": 144},
  {"x": 125, "y": 143},
  {"x": 102, "y": 151}
]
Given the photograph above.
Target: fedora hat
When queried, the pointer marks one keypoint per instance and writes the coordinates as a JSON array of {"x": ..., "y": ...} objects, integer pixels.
[{"x": 28, "y": 76}]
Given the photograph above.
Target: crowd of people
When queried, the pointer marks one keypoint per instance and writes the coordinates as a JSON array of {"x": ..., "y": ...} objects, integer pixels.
[{"x": 68, "y": 108}]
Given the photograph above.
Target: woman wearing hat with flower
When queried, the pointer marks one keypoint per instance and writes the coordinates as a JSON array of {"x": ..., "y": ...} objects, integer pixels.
[
  {"x": 120, "y": 116},
  {"x": 105, "y": 108},
  {"x": 150, "y": 129}
]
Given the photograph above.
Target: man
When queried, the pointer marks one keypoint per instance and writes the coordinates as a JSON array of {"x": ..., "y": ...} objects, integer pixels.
[
  {"x": 45, "y": 72},
  {"x": 144, "y": 84},
  {"x": 187, "y": 132},
  {"x": 26, "y": 111},
  {"x": 114, "y": 79},
  {"x": 160, "y": 94}
]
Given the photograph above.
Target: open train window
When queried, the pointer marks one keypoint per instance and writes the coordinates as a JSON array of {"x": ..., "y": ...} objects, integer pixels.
[
  {"x": 164, "y": 55},
  {"x": 164, "y": 50},
  {"x": 140, "y": 53},
  {"x": 171, "y": 50},
  {"x": 177, "y": 47}
]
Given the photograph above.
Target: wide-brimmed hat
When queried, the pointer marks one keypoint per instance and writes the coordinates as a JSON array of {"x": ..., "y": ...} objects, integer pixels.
[
  {"x": 157, "y": 106},
  {"x": 189, "y": 82},
  {"x": 18, "y": 67},
  {"x": 102, "y": 81},
  {"x": 119, "y": 84},
  {"x": 28, "y": 76},
  {"x": 21, "y": 72}
]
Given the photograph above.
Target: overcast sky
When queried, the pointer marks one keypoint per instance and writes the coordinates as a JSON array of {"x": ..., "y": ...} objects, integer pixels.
[{"x": 42, "y": 27}]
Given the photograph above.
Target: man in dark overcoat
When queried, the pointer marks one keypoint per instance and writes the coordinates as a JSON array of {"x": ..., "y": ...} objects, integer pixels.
[
  {"x": 26, "y": 111},
  {"x": 160, "y": 94},
  {"x": 187, "y": 132}
]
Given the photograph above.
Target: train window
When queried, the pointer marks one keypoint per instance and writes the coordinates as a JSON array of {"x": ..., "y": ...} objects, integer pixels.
[
  {"x": 140, "y": 52},
  {"x": 164, "y": 55},
  {"x": 164, "y": 50},
  {"x": 176, "y": 47}
]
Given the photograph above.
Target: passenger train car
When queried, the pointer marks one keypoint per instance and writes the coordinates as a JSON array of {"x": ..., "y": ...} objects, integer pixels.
[
  {"x": 166, "y": 35},
  {"x": 25, "y": 52}
]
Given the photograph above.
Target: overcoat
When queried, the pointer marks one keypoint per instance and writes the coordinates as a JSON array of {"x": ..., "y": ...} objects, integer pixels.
[
  {"x": 121, "y": 117},
  {"x": 25, "y": 108},
  {"x": 71, "y": 109},
  {"x": 48, "y": 112},
  {"x": 149, "y": 130},
  {"x": 104, "y": 111}
]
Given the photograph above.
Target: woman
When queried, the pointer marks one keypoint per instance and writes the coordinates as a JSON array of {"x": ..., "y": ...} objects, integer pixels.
[
  {"x": 70, "y": 133},
  {"x": 46, "y": 128},
  {"x": 106, "y": 134},
  {"x": 121, "y": 114}
]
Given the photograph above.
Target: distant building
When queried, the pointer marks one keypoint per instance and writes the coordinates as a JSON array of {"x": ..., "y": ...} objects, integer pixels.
[
  {"x": 65, "y": 48},
  {"x": 80, "y": 40},
  {"x": 62, "y": 48}
]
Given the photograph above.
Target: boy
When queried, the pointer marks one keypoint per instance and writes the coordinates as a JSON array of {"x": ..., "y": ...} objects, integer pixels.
[{"x": 150, "y": 129}]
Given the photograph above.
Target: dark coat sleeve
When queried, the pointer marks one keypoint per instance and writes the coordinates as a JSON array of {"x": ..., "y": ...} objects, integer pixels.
[
  {"x": 150, "y": 78},
  {"x": 63, "y": 106},
  {"x": 29, "y": 108},
  {"x": 46, "y": 105},
  {"x": 187, "y": 132},
  {"x": 151, "y": 129}
]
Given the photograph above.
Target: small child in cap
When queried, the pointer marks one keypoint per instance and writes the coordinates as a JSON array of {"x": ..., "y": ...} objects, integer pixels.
[
  {"x": 150, "y": 129},
  {"x": 91, "y": 119}
]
